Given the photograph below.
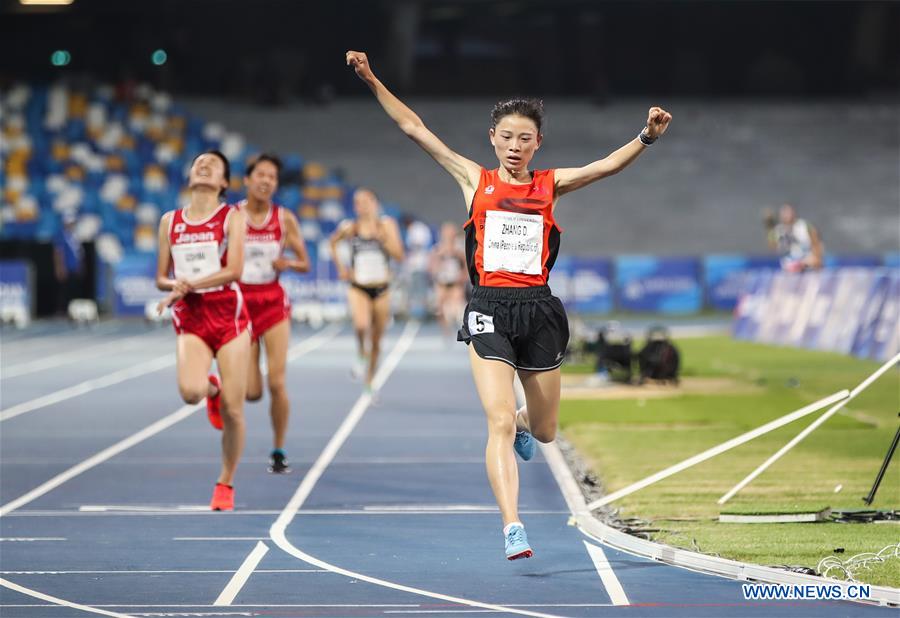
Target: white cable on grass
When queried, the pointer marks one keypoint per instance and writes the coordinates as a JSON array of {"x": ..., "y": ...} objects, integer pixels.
[
  {"x": 832, "y": 566},
  {"x": 721, "y": 448},
  {"x": 812, "y": 427}
]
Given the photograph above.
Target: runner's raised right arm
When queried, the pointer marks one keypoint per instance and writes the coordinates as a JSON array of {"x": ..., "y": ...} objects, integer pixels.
[{"x": 465, "y": 172}]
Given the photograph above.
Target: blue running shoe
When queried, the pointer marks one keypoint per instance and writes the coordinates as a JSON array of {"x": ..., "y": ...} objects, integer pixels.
[
  {"x": 517, "y": 544},
  {"x": 524, "y": 445}
]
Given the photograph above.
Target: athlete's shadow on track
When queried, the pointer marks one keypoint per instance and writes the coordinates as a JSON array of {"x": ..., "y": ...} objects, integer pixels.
[{"x": 626, "y": 565}]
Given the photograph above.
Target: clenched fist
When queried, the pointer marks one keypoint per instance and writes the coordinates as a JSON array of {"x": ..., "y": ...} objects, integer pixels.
[
  {"x": 658, "y": 121},
  {"x": 360, "y": 64}
]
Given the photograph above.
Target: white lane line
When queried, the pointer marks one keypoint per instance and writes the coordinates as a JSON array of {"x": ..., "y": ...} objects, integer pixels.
[
  {"x": 116, "y": 377},
  {"x": 312, "y": 605},
  {"x": 279, "y": 527},
  {"x": 194, "y": 614},
  {"x": 57, "y": 601},
  {"x": 491, "y": 611},
  {"x": 55, "y": 360},
  {"x": 173, "y": 513},
  {"x": 406, "y": 508},
  {"x": 95, "y": 460},
  {"x": 241, "y": 576},
  {"x": 182, "y": 413},
  {"x": 136, "y": 508},
  {"x": 220, "y": 538},
  {"x": 607, "y": 575},
  {"x": 160, "y": 572},
  {"x": 310, "y": 512},
  {"x": 32, "y": 539}
]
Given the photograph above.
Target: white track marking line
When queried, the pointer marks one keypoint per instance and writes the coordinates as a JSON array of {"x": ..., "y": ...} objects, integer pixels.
[
  {"x": 57, "y": 601},
  {"x": 240, "y": 513},
  {"x": 607, "y": 575},
  {"x": 129, "y": 513},
  {"x": 404, "y": 508},
  {"x": 55, "y": 360},
  {"x": 150, "y": 572},
  {"x": 318, "y": 605},
  {"x": 32, "y": 539},
  {"x": 313, "y": 605},
  {"x": 116, "y": 377},
  {"x": 95, "y": 460},
  {"x": 220, "y": 538},
  {"x": 136, "y": 508},
  {"x": 241, "y": 576},
  {"x": 182, "y": 413},
  {"x": 492, "y": 611},
  {"x": 278, "y": 529}
]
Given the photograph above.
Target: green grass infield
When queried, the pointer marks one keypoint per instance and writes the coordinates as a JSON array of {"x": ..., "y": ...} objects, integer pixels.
[{"x": 738, "y": 386}]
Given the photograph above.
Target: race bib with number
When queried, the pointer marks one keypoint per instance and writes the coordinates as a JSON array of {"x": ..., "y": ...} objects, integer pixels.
[
  {"x": 513, "y": 242},
  {"x": 480, "y": 324},
  {"x": 370, "y": 267},
  {"x": 258, "y": 259},
  {"x": 196, "y": 260}
]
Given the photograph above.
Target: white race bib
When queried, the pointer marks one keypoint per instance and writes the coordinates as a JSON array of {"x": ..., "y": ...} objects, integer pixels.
[
  {"x": 513, "y": 242},
  {"x": 196, "y": 260},
  {"x": 370, "y": 267},
  {"x": 480, "y": 324},
  {"x": 258, "y": 258}
]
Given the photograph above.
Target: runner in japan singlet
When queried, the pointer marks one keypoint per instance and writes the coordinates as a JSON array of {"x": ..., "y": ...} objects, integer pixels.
[
  {"x": 199, "y": 248},
  {"x": 263, "y": 245}
]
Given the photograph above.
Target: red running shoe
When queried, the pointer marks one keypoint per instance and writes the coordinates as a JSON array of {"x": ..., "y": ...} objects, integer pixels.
[
  {"x": 222, "y": 498},
  {"x": 214, "y": 404}
]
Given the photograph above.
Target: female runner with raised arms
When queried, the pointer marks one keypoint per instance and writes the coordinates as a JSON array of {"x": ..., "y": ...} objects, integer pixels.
[{"x": 513, "y": 323}]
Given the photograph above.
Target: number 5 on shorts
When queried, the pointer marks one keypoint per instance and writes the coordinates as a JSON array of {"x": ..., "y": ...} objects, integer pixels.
[{"x": 480, "y": 324}]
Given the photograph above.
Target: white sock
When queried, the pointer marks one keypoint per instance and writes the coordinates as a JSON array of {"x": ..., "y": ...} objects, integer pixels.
[
  {"x": 508, "y": 526},
  {"x": 518, "y": 424}
]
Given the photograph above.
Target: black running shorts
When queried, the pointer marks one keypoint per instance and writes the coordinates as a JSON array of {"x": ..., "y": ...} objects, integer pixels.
[{"x": 523, "y": 327}]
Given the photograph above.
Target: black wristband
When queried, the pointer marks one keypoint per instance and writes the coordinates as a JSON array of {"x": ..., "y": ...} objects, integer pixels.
[{"x": 646, "y": 140}]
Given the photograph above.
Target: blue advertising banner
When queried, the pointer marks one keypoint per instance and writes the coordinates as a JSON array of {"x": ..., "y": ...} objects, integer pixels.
[
  {"x": 843, "y": 261},
  {"x": 864, "y": 339},
  {"x": 561, "y": 281},
  {"x": 778, "y": 304},
  {"x": 846, "y": 310},
  {"x": 749, "y": 310},
  {"x": 815, "y": 322},
  {"x": 592, "y": 285},
  {"x": 725, "y": 276},
  {"x": 134, "y": 284},
  {"x": 659, "y": 285},
  {"x": 886, "y": 339},
  {"x": 300, "y": 287},
  {"x": 16, "y": 290}
]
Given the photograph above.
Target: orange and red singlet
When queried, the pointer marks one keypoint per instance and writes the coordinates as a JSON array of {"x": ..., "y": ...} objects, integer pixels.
[{"x": 512, "y": 239}]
